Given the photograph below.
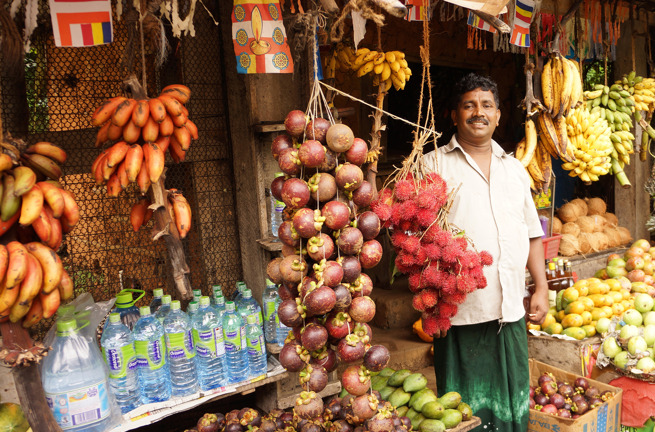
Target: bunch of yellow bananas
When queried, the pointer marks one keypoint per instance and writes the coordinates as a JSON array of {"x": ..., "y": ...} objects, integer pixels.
[
  {"x": 589, "y": 137},
  {"x": 642, "y": 90},
  {"x": 561, "y": 85},
  {"x": 616, "y": 105},
  {"x": 535, "y": 158},
  {"x": 388, "y": 68}
]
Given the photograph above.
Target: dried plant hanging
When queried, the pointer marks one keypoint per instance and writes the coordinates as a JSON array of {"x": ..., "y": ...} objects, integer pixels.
[
  {"x": 10, "y": 42},
  {"x": 442, "y": 265}
]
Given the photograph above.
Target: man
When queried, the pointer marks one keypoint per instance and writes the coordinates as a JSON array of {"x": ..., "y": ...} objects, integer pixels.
[{"x": 484, "y": 355}]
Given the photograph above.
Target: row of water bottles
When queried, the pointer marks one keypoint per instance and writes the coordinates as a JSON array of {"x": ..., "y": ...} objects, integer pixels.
[{"x": 169, "y": 352}]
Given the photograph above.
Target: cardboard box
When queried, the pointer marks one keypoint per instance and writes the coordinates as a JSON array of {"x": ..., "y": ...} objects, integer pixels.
[
  {"x": 605, "y": 418},
  {"x": 573, "y": 356}
]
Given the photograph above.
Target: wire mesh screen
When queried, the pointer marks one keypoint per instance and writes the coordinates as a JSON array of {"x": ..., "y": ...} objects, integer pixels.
[{"x": 60, "y": 88}]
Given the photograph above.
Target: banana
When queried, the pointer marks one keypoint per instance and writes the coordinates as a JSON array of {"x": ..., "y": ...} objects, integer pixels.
[
  {"x": 534, "y": 170},
  {"x": 57, "y": 235},
  {"x": 150, "y": 131},
  {"x": 520, "y": 149},
  {"x": 387, "y": 84},
  {"x": 123, "y": 112},
  {"x": 183, "y": 136},
  {"x": 166, "y": 127},
  {"x": 116, "y": 153},
  {"x": 154, "y": 158},
  {"x": 42, "y": 227},
  {"x": 531, "y": 142},
  {"x": 192, "y": 128},
  {"x": 66, "y": 287},
  {"x": 567, "y": 86},
  {"x": 547, "y": 86},
  {"x": 50, "y": 263},
  {"x": 34, "y": 314},
  {"x": 24, "y": 179},
  {"x": 114, "y": 132},
  {"x": 178, "y": 91},
  {"x": 31, "y": 206},
  {"x": 106, "y": 170},
  {"x": 141, "y": 112},
  {"x": 548, "y": 136},
  {"x": 31, "y": 284},
  {"x": 44, "y": 165},
  {"x": 5, "y": 162},
  {"x": 163, "y": 142},
  {"x": 180, "y": 120},
  {"x": 50, "y": 150},
  {"x": 386, "y": 72},
  {"x": 138, "y": 213},
  {"x": 390, "y": 56},
  {"x": 157, "y": 109},
  {"x": 105, "y": 111},
  {"x": 71, "y": 212},
  {"x": 114, "y": 185},
  {"x": 143, "y": 179},
  {"x": 133, "y": 160},
  {"x": 10, "y": 202},
  {"x": 8, "y": 296},
  {"x": 178, "y": 154},
  {"x": 173, "y": 106},
  {"x": 50, "y": 303},
  {"x": 365, "y": 68},
  {"x": 18, "y": 311},
  {"x": 558, "y": 85},
  {"x": 594, "y": 94},
  {"x": 181, "y": 212},
  {"x": 131, "y": 132},
  {"x": 52, "y": 195},
  {"x": 17, "y": 265},
  {"x": 103, "y": 134}
]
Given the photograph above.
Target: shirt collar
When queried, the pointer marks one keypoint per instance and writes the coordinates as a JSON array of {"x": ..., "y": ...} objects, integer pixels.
[{"x": 496, "y": 149}]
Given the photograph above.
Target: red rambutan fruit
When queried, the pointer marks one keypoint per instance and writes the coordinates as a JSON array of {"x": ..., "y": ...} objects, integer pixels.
[
  {"x": 425, "y": 217},
  {"x": 406, "y": 259},
  {"x": 404, "y": 268},
  {"x": 430, "y": 324},
  {"x": 416, "y": 282},
  {"x": 426, "y": 199},
  {"x": 404, "y": 190},
  {"x": 411, "y": 244},
  {"x": 469, "y": 259},
  {"x": 451, "y": 252},
  {"x": 442, "y": 238},
  {"x": 407, "y": 225},
  {"x": 432, "y": 251},
  {"x": 431, "y": 233},
  {"x": 476, "y": 272},
  {"x": 461, "y": 243},
  {"x": 409, "y": 209},
  {"x": 481, "y": 282},
  {"x": 420, "y": 256},
  {"x": 449, "y": 283},
  {"x": 417, "y": 302},
  {"x": 443, "y": 324},
  {"x": 398, "y": 239},
  {"x": 466, "y": 284},
  {"x": 396, "y": 214},
  {"x": 486, "y": 259},
  {"x": 429, "y": 297},
  {"x": 447, "y": 310},
  {"x": 385, "y": 196},
  {"x": 457, "y": 298},
  {"x": 432, "y": 276},
  {"x": 382, "y": 210}
]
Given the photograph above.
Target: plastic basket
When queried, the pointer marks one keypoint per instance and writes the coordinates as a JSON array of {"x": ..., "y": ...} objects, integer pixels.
[{"x": 551, "y": 246}]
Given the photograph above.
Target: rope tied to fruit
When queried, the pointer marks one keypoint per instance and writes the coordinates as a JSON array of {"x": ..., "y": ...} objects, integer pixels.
[{"x": 361, "y": 6}]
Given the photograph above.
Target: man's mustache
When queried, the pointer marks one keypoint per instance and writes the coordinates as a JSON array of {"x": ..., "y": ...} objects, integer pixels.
[{"x": 477, "y": 119}]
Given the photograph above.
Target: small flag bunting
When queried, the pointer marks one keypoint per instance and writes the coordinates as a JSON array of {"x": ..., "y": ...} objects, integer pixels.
[
  {"x": 477, "y": 22},
  {"x": 522, "y": 17},
  {"x": 417, "y": 10},
  {"x": 81, "y": 23}
]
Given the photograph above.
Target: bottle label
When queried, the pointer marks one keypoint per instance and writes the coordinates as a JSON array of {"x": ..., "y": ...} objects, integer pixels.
[
  {"x": 180, "y": 345},
  {"x": 205, "y": 341},
  {"x": 256, "y": 346},
  {"x": 150, "y": 353},
  {"x": 81, "y": 406},
  {"x": 120, "y": 360},
  {"x": 220, "y": 343},
  {"x": 234, "y": 340},
  {"x": 279, "y": 206},
  {"x": 270, "y": 307}
]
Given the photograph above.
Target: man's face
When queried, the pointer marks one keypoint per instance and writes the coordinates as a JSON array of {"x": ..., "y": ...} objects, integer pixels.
[{"x": 476, "y": 116}]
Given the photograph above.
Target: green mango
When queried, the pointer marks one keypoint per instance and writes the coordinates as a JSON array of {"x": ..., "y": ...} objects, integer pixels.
[
  {"x": 411, "y": 413},
  {"x": 433, "y": 410},
  {"x": 386, "y": 372},
  {"x": 402, "y": 411},
  {"x": 398, "y": 377},
  {"x": 419, "y": 394},
  {"x": 431, "y": 425},
  {"x": 466, "y": 411},
  {"x": 423, "y": 399},
  {"x": 379, "y": 383},
  {"x": 416, "y": 421},
  {"x": 415, "y": 382},
  {"x": 450, "y": 400},
  {"x": 399, "y": 397},
  {"x": 451, "y": 418},
  {"x": 385, "y": 392}
]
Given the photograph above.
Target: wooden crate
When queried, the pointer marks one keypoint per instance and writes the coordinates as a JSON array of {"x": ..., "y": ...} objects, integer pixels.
[
  {"x": 283, "y": 394},
  {"x": 572, "y": 356}
]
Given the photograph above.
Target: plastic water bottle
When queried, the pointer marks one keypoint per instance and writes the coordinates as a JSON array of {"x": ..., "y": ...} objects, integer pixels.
[
  {"x": 237, "y": 361},
  {"x": 181, "y": 351},
  {"x": 216, "y": 290},
  {"x": 196, "y": 295},
  {"x": 118, "y": 349},
  {"x": 155, "y": 304},
  {"x": 219, "y": 305},
  {"x": 250, "y": 304},
  {"x": 256, "y": 348},
  {"x": 150, "y": 347},
  {"x": 269, "y": 302},
  {"x": 164, "y": 309},
  {"x": 277, "y": 211},
  {"x": 210, "y": 348},
  {"x": 192, "y": 308},
  {"x": 125, "y": 307},
  {"x": 282, "y": 330},
  {"x": 238, "y": 293},
  {"x": 72, "y": 369}
]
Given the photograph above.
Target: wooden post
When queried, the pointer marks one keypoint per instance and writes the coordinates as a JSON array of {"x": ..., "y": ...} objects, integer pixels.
[
  {"x": 164, "y": 227},
  {"x": 28, "y": 381}
]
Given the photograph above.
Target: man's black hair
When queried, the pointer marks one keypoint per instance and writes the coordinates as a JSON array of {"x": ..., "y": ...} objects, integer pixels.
[{"x": 471, "y": 82}]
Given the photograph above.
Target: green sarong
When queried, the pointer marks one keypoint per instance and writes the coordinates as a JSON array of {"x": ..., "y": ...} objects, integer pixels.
[{"x": 489, "y": 368}]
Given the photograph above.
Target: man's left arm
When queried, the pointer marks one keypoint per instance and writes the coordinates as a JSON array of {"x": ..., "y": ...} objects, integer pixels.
[{"x": 539, "y": 300}]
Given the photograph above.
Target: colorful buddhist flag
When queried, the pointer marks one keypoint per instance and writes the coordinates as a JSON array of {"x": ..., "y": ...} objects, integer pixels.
[
  {"x": 260, "y": 40},
  {"x": 80, "y": 23},
  {"x": 522, "y": 16},
  {"x": 477, "y": 22},
  {"x": 417, "y": 10}
]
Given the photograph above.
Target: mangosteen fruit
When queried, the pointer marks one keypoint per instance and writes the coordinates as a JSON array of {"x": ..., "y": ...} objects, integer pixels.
[
  {"x": 369, "y": 225},
  {"x": 322, "y": 187},
  {"x": 363, "y": 195},
  {"x": 288, "y": 234},
  {"x": 338, "y": 325},
  {"x": 289, "y": 162},
  {"x": 305, "y": 223},
  {"x": 313, "y": 377},
  {"x": 325, "y": 357},
  {"x": 281, "y": 143},
  {"x": 295, "y": 192},
  {"x": 293, "y": 268},
  {"x": 276, "y": 187},
  {"x": 308, "y": 405},
  {"x": 350, "y": 349},
  {"x": 290, "y": 314},
  {"x": 343, "y": 297},
  {"x": 350, "y": 240},
  {"x": 357, "y": 152},
  {"x": 352, "y": 268},
  {"x": 339, "y": 137},
  {"x": 295, "y": 123},
  {"x": 293, "y": 357},
  {"x": 336, "y": 213},
  {"x": 332, "y": 273},
  {"x": 320, "y": 301},
  {"x": 313, "y": 337},
  {"x": 348, "y": 176},
  {"x": 362, "y": 309},
  {"x": 311, "y": 154},
  {"x": 273, "y": 271},
  {"x": 317, "y": 129},
  {"x": 376, "y": 358},
  {"x": 330, "y": 161},
  {"x": 320, "y": 246}
]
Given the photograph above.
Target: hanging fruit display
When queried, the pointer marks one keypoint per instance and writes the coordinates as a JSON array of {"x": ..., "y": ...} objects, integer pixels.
[
  {"x": 39, "y": 211},
  {"x": 387, "y": 68}
]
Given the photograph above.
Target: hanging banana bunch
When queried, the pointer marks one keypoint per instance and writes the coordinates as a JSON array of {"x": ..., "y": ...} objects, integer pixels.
[
  {"x": 643, "y": 91},
  {"x": 561, "y": 85},
  {"x": 388, "y": 68}
]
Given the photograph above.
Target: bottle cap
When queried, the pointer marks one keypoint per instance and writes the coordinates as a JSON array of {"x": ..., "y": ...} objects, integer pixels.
[
  {"x": 219, "y": 299},
  {"x": 114, "y": 317},
  {"x": 269, "y": 282},
  {"x": 124, "y": 300},
  {"x": 217, "y": 289},
  {"x": 229, "y": 306},
  {"x": 166, "y": 299},
  {"x": 193, "y": 306},
  {"x": 157, "y": 292},
  {"x": 247, "y": 293},
  {"x": 175, "y": 305},
  {"x": 204, "y": 301},
  {"x": 66, "y": 325},
  {"x": 144, "y": 310},
  {"x": 251, "y": 319},
  {"x": 279, "y": 174}
]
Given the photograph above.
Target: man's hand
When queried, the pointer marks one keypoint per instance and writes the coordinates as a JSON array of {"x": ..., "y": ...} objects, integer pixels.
[
  {"x": 538, "y": 306},
  {"x": 440, "y": 334}
]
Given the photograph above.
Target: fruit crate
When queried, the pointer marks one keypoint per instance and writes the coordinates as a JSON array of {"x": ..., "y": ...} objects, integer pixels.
[
  {"x": 604, "y": 418},
  {"x": 574, "y": 356},
  {"x": 287, "y": 390}
]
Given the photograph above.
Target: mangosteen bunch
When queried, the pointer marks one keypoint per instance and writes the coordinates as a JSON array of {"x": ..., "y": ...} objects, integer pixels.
[
  {"x": 442, "y": 269},
  {"x": 246, "y": 419},
  {"x": 566, "y": 400}
]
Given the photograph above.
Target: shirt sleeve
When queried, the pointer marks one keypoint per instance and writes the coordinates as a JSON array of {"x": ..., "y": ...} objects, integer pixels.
[{"x": 530, "y": 210}]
